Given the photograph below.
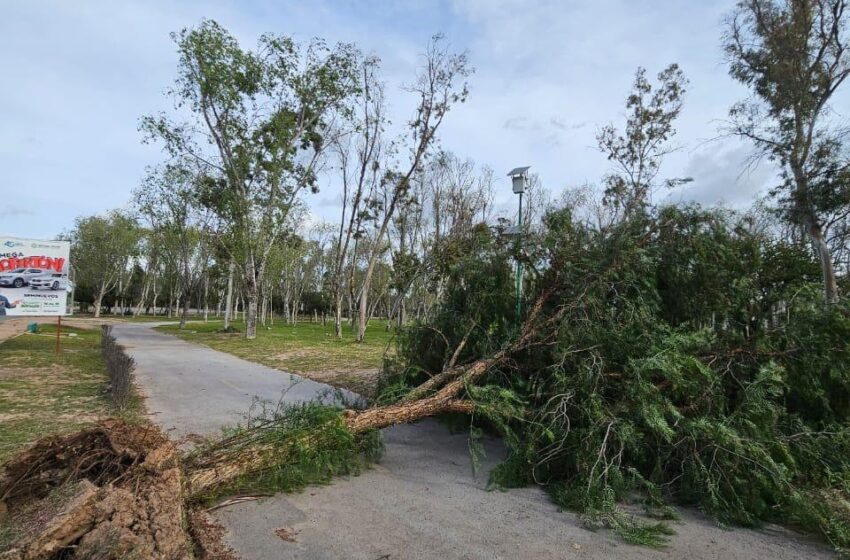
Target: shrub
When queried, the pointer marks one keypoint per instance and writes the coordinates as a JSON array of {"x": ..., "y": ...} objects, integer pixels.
[{"x": 120, "y": 367}]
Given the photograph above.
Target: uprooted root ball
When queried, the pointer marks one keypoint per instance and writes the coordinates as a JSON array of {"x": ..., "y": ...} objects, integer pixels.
[{"x": 126, "y": 498}]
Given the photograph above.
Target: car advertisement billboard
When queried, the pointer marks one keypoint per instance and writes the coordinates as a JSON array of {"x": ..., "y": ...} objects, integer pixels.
[{"x": 34, "y": 277}]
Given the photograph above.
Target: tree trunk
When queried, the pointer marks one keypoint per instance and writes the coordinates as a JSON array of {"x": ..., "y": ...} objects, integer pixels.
[
  {"x": 252, "y": 295},
  {"x": 184, "y": 314},
  {"x": 830, "y": 287},
  {"x": 228, "y": 306},
  {"x": 251, "y": 318},
  {"x": 98, "y": 302},
  {"x": 206, "y": 298},
  {"x": 142, "y": 297},
  {"x": 812, "y": 225},
  {"x": 155, "y": 296},
  {"x": 456, "y": 378},
  {"x": 364, "y": 303}
]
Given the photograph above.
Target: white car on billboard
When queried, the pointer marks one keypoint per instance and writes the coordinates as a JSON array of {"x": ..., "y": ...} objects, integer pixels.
[
  {"x": 49, "y": 281},
  {"x": 20, "y": 277}
]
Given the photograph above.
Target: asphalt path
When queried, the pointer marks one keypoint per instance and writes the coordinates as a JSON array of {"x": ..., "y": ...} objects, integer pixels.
[
  {"x": 422, "y": 501},
  {"x": 192, "y": 389}
]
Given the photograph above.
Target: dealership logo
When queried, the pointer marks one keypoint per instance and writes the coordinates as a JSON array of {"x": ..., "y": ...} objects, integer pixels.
[{"x": 13, "y": 244}]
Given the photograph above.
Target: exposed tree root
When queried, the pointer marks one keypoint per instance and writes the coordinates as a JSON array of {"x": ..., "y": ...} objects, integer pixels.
[{"x": 128, "y": 497}]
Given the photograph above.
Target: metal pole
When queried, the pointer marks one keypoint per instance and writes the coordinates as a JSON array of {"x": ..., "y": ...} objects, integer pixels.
[
  {"x": 58, "y": 332},
  {"x": 519, "y": 263}
]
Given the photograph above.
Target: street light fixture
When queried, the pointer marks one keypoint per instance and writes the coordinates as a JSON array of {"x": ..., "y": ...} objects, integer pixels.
[{"x": 519, "y": 181}]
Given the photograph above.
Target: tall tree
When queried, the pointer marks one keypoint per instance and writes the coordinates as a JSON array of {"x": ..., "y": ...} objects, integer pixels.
[
  {"x": 439, "y": 85},
  {"x": 359, "y": 155},
  {"x": 101, "y": 249},
  {"x": 638, "y": 151},
  {"x": 266, "y": 116},
  {"x": 167, "y": 199},
  {"x": 793, "y": 55}
]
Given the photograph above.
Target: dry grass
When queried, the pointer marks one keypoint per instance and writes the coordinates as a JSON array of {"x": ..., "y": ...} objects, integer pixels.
[
  {"x": 43, "y": 393},
  {"x": 308, "y": 349}
]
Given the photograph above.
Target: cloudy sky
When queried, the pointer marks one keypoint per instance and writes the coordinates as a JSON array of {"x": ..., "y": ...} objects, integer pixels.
[{"x": 77, "y": 75}]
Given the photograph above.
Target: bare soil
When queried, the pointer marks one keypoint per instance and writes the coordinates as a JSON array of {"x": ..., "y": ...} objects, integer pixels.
[
  {"x": 361, "y": 381},
  {"x": 12, "y": 327},
  {"x": 22, "y": 373}
]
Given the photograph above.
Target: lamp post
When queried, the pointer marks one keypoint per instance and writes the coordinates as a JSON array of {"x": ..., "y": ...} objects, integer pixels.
[{"x": 519, "y": 181}]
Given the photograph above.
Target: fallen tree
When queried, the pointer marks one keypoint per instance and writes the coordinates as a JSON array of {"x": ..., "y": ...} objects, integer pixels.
[{"x": 250, "y": 452}]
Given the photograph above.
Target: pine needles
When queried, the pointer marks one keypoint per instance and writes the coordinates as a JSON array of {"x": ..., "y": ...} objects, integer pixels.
[
  {"x": 683, "y": 358},
  {"x": 282, "y": 448}
]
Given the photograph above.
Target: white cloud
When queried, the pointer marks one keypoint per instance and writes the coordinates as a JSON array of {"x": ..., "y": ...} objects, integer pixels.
[{"x": 548, "y": 74}]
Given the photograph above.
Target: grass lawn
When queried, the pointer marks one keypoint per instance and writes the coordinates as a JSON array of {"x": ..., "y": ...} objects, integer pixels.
[
  {"x": 308, "y": 349},
  {"x": 131, "y": 319},
  {"x": 42, "y": 393}
]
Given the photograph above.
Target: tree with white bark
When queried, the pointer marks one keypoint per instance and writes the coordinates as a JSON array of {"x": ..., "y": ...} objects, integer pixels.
[
  {"x": 794, "y": 57},
  {"x": 257, "y": 122},
  {"x": 167, "y": 200},
  {"x": 101, "y": 250},
  {"x": 439, "y": 86}
]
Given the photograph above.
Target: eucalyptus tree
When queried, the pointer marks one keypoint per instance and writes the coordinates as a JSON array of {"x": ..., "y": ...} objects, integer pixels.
[
  {"x": 448, "y": 199},
  {"x": 458, "y": 194},
  {"x": 101, "y": 250},
  {"x": 359, "y": 155},
  {"x": 638, "y": 151},
  {"x": 256, "y": 122},
  {"x": 793, "y": 55},
  {"x": 439, "y": 85},
  {"x": 168, "y": 201}
]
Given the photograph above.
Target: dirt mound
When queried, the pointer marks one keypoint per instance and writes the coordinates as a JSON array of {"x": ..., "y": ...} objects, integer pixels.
[{"x": 126, "y": 496}]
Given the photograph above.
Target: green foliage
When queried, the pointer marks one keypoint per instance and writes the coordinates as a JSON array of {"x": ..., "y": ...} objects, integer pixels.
[
  {"x": 101, "y": 248},
  {"x": 248, "y": 129},
  {"x": 305, "y": 444},
  {"x": 600, "y": 509},
  {"x": 479, "y": 290},
  {"x": 691, "y": 361}
]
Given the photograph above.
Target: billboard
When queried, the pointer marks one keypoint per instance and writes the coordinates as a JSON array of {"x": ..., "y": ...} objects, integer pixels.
[{"x": 34, "y": 277}]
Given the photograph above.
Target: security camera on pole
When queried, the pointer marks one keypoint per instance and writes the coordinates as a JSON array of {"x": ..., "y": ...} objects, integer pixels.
[{"x": 519, "y": 180}]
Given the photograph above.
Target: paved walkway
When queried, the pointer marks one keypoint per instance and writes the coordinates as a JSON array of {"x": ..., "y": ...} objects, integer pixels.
[
  {"x": 420, "y": 503},
  {"x": 193, "y": 389}
]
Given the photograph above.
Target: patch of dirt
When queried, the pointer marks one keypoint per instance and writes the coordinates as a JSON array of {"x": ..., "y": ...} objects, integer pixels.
[
  {"x": 192, "y": 439},
  {"x": 77, "y": 417},
  {"x": 89, "y": 324},
  {"x": 12, "y": 327},
  {"x": 286, "y": 533},
  {"x": 208, "y": 535},
  {"x": 300, "y": 353},
  {"x": 361, "y": 381},
  {"x": 24, "y": 372}
]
